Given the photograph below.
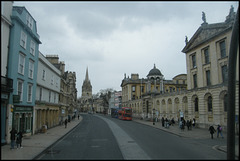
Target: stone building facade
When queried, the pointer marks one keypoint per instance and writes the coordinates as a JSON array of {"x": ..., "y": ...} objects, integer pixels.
[
  {"x": 140, "y": 94},
  {"x": 207, "y": 55},
  {"x": 206, "y": 96}
]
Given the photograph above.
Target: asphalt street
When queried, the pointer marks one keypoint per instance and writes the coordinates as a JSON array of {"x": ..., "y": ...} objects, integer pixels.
[
  {"x": 92, "y": 139},
  {"x": 101, "y": 137}
]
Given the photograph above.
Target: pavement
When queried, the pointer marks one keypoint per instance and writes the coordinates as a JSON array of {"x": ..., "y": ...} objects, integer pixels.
[
  {"x": 38, "y": 143},
  {"x": 196, "y": 133}
]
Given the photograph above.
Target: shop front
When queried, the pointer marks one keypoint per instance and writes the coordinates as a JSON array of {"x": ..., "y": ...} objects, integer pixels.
[{"x": 23, "y": 119}]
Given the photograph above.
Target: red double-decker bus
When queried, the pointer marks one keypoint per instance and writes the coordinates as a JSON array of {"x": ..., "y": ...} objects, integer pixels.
[{"x": 125, "y": 113}]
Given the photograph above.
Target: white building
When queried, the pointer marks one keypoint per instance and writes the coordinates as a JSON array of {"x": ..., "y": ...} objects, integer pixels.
[
  {"x": 46, "y": 111},
  {"x": 115, "y": 101}
]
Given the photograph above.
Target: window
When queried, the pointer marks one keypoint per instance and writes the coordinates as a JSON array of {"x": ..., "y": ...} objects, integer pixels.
[
  {"x": 195, "y": 81},
  {"x": 29, "y": 21},
  {"x": 23, "y": 40},
  {"x": 29, "y": 99},
  {"x": 224, "y": 73},
  {"x": 208, "y": 78},
  {"x": 50, "y": 96},
  {"x": 206, "y": 56},
  {"x": 57, "y": 82},
  {"x": 20, "y": 89},
  {"x": 196, "y": 104},
  {"x": 40, "y": 94},
  {"x": 43, "y": 75},
  {"x": 21, "y": 64},
  {"x": 194, "y": 61},
  {"x": 142, "y": 88},
  {"x": 31, "y": 69},
  {"x": 209, "y": 103},
  {"x": 32, "y": 48},
  {"x": 222, "y": 49},
  {"x": 133, "y": 88},
  {"x": 52, "y": 80},
  {"x": 133, "y": 97},
  {"x": 55, "y": 97}
]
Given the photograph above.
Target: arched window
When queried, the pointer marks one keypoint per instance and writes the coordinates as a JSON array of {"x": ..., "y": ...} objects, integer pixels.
[
  {"x": 196, "y": 104},
  {"x": 209, "y": 103}
]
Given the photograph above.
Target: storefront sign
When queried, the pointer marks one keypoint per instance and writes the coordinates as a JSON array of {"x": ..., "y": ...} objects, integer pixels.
[{"x": 23, "y": 109}]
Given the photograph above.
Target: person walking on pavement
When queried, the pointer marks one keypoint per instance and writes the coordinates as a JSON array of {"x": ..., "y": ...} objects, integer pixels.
[
  {"x": 66, "y": 121},
  {"x": 78, "y": 116},
  {"x": 193, "y": 122},
  {"x": 188, "y": 124},
  {"x": 212, "y": 130},
  {"x": 219, "y": 130},
  {"x": 19, "y": 139},
  {"x": 162, "y": 122},
  {"x": 13, "y": 133}
]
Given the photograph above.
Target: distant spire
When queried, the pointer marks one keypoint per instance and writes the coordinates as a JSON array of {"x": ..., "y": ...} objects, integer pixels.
[
  {"x": 154, "y": 66},
  {"x": 86, "y": 77}
]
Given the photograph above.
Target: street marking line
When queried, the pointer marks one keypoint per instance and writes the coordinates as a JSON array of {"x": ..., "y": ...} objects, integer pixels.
[{"x": 129, "y": 151}]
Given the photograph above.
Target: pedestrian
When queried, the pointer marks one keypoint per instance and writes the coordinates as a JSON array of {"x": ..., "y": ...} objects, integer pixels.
[
  {"x": 219, "y": 130},
  {"x": 19, "y": 139},
  {"x": 66, "y": 121},
  {"x": 180, "y": 124},
  {"x": 172, "y": 121},
  {"x": 13, "y": 133},
  {"x": 211, "y": 130},
  {"x": 78, "y": 116},
  {"x": 193, "y": 122},
  {"x": 188, "y": 124},
  {"x": 162, "y": 122},
  {"x": 166, "y": 123},
  {"x": 184, "y": 122}
]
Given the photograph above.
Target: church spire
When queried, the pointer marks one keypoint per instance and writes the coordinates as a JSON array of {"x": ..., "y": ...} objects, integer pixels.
[{"x": 86, "y": 77}]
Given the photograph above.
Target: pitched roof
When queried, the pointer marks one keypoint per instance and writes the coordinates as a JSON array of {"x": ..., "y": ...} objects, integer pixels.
[{"x": 205, "y": 33}]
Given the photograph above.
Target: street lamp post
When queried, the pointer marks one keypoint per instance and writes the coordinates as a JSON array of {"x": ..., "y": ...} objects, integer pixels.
[{"x": 154, "y": 116}]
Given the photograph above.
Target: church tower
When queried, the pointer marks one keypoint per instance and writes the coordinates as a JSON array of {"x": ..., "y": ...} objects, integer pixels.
[
  {"x": 86, "y": 101},
  {"x": 86, "y": 87}
]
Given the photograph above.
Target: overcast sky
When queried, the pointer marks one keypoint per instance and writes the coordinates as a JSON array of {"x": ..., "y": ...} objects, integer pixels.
[{"x": 113, "y": 38}]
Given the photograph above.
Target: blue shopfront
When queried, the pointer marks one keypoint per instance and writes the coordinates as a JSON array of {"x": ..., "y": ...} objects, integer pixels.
[{"x": 23, "y": 119}]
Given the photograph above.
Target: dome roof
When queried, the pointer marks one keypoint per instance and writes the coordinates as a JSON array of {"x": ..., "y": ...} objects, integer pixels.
[{"x": 154, "y": 72}]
